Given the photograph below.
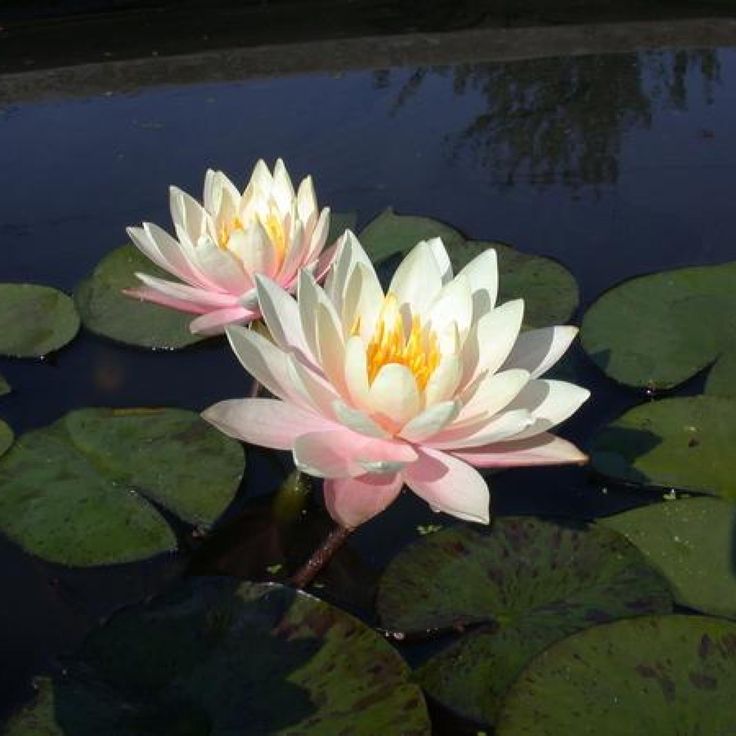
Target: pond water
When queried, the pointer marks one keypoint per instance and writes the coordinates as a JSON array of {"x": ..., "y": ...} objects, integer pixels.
[{"x": 615, "y": 165}]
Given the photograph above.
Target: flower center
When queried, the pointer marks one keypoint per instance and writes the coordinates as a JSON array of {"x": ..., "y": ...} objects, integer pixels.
[
  {"x": 226, "y": 230},
  {"x": 418, "y": 351},
  {"x": 271, "y": 223}
]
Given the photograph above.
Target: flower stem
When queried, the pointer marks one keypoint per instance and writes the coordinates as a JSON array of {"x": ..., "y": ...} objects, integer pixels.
[
  {"x": 254, "y": 389},
  {"x": 320, "y": 557}
]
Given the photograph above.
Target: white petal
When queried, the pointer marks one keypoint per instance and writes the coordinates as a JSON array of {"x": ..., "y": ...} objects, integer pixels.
[
  {"x": 506, "y": 426},
  {"x": 492, "y": 392},
  {"x": 362, "y": 300},
  {"x": 430, "y": 421},
  {"x": 281, "y": 313},
  {"x": 444, "y": 380},
  {"x": 265, "y": 362},
  {"x": 538, "y": 350},
  {"x": 417, "y": 280},
  {"x": 261, "y": 180},
  {"x": 283, "y": 189},
  {"x": 306, "y": 199},
  {"x": 443, "y": 260},
  {"x": 453, "y": 305},
  {"x": 187, "y": 213},
  {"x": 331, "y": 347},
  {"x": 310, "y": 298},
  {"x": 357, "y": 420},
  {"x": 356, "y": 371},
  {"x": 394, "y": 397},
  {"x": 550, "y": 402},
  {"x": 349, "y": 253},
  {"x": 312, "y": 387},
  {"x": 188, "y": 293},
  {"x": 482, "y": 273},
  {"x": 254, "y": 249},
  {"x": 491, "y": 339},
  {"x": 222, "y": 267}
]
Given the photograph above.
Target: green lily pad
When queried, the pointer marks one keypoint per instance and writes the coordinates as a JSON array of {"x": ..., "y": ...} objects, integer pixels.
[
  {"x": 531, "y": 581},
  {"x": 549, "y": 290},
  {"x": 35, "y": 320},
  {"x": 390, "y": 234},
  {"x": 4, "y": 386},
  {"x": 86, "y": 489},
  {"x": 106, "y": 311},
  {"x": 692, "y": 542},
  {"x": 722, "y": 377},
  {"x": 6, "y": 437},
  {"x": 682, "y": 443},
  {"x": 218, "y": 656},
  {"x": 657, "y": 331},
  {"x": 655, "y": 675}
]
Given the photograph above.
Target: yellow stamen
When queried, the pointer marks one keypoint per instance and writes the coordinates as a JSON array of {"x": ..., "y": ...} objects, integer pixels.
[
  {"x": 226, "y": 230},
  {"x": 419, "y": 352},
  {"x": 274, "y": 226}
]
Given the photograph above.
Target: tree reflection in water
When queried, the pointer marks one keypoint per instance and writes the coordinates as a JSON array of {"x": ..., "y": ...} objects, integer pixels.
[{"x": 562, "y": 119}]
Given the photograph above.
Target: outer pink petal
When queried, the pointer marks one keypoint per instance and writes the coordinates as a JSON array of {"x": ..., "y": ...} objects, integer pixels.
[
  {"x": 544, "y": 449},
  {"x": 342, "y": 454},
  {"x": 214, "y": 323},
  {"x": 448, "y": 484},
  {"x": 265, "y": 422},
  {"x": 352, "y": 501},
  {"x": 177, "y": 290},
  {"x": 156, "y": 297}
]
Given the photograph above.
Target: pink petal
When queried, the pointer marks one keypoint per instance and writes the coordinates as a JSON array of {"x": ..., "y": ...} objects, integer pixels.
[
  {"x": 448, "y": 484},
  {"x": 184, "y": 292},
  {"x": 544, "y": 449},
  {"x": 324, "y": 262},
  {"x": 352, "y": 501},
  {"x": 214, "y": 323},
  {"x": 342, "y": 453},
  {"x": 264, "y": 422},
  {"x": 156, "y": 297}
]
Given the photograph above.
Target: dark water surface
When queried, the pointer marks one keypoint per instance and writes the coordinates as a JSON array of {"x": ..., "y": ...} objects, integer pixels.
[{"x": 615, "y": 165}]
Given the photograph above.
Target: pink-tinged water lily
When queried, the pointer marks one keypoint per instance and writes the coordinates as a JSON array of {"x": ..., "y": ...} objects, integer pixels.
[
  {"x": 415, "y": 386},
  {"x": 221, "y": 246}
]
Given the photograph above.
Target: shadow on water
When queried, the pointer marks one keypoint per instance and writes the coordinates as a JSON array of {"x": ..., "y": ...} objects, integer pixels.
[
  {"x": 200, "y": 660},
  {"x": 561, "y": 119}
]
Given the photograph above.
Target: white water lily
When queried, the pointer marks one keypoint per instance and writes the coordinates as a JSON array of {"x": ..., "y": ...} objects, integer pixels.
[
  {"x": 415, "y": 386},
  {"x": 221, "y": 246}
]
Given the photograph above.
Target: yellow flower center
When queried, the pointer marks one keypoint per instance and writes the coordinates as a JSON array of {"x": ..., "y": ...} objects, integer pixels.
[
  {"x": 226, "y": 230},
  {"x": 419, "y": 351}
]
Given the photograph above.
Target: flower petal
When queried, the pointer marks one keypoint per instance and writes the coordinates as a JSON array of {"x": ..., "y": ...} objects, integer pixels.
[
  {"x": 356, "y": 371},
  {"x": 484, "y": 431},
  {"x": 492, "y": 392},
  {"x": 482, "y": 273},
  {"x": 357, "y": 420},
  {"x": 254, "y": 250},
  {"x": 222, "y": 267},
  {"x": 264, "y": 422},
  {"x": 450, "y": 485},
  {"x": 394, "y": 398},
  {"x": 187, "y": 214},
  {"x": 538, "y": 350},
  {"x": 550, "y": 403},
  {"x": 184, "y": 292},
  {"x": 452, "y": 307},
  {"x": 156, "y": 297},
  {"x": 417, "y": 280},
  {"x": 306, "y": 199},
  {"x": 214, "y": 323},
  {"x": 430, "y": 421},
  {"x": 353, "y": 501},
  {"x": 491, "y": 339},
  {"x": 444, "y": 380},
  {"x": 341, "y": 453},
  {"x": 443, "y": 260},
  {"x": 543, "y": 449}
]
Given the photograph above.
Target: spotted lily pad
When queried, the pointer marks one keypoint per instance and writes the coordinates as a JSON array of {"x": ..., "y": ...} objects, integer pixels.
[
  {"x": 657, "y": 331},
  {"x": 4, "y": 386},
  {"x": 35, "y": 320},
  {"x": 87, "y": 489},
  {"x": 6, "y": 437},
  {"x": 692, "y": 542},
  {"x": 683, "y": 443},
  {"x": 218, "y": 656},
  {"x": 529, "y": 582},
  {"x": 654, "y": 675},
  {"x": 106, "y": 311}
]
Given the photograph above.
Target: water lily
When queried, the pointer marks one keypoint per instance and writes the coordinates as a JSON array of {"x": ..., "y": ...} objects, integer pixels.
[
  {"x": 222, "y": 246},
  {"x": 417, "y": 386}
]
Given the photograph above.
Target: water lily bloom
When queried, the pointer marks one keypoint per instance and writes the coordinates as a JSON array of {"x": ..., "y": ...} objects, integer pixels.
[
  {"x": 417, "y": 386},
  {"x": 222, "y": 246}
]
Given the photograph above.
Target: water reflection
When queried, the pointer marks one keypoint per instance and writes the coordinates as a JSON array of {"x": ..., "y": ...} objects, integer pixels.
[{"x": 562, "y": 120}]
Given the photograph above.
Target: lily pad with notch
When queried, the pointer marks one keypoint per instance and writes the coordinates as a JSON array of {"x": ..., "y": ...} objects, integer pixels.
[
  {"x": 692, "y": 542},
  {"x": 35, "y": 320},
  {"x": 217, "y": 655},
  {"x": 106, "y": 311},
  {"x": 659, "y": 330},
  {"x": 96, "y": 486},
  {"x": 683, "y": 443},
  {"x": 525, "y": 585},
  {"x": 659, "y": 675}
]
